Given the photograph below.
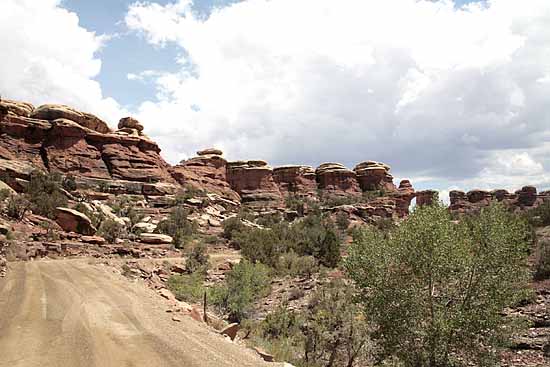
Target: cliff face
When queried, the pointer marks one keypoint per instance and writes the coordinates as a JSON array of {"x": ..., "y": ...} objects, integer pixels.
[{"x": 58, "y": 138}]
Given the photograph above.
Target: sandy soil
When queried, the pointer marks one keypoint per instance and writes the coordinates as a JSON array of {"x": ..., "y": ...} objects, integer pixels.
[{"x": 74, "y": 313}]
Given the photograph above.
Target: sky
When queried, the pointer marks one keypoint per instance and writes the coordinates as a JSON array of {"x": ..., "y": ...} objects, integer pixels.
[{"x": 451, "y": 94}]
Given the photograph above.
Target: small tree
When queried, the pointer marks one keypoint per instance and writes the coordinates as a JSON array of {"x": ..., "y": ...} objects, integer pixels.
[
  {"x": 45, "y": 194},
  {"x": 336, "y": 332},
  {"x": 178, "y": 226},
  {"x": 245, "y": 284},
  {"x": 197, "y": 259},
  {"x": 435, "y": 290}
]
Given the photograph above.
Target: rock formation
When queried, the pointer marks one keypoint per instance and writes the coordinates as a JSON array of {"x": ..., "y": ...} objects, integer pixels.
[
  {"x": 374, "y": 176},
  {"x": 472, "y": 201},
  {"x": 60, "y": 139},
  {"x": 253, "y": 181},
  {"x": 207, "y": 171},
  {"x": 337, "y": 179},
  {"x": 296, "y": 179}
]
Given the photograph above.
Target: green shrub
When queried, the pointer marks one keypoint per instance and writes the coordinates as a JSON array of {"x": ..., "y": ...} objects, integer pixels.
[
  {"x": 294, "y": 265},
  {"x": 197, "y": 259},
  {"x": 69, "y": 183},
  {"x": 314, "y": 235},
  {"x": 4, "y": 194},
  {"x": 231, "y": 226},
  {"x": 542, "y": 259},
  {"x": 178, "y": 226},
  {"x": 435, "y": 290},
  {"x": 44, "y": 193},
  {"x": 187, "y": 287},
  {"x": 342, "y": 221},
  {"x": 539, "y": 216},
  {"x": 269, "y": 220},
  {"x": 17, "y": 206},
  {"x": 335, "y": 332},
  {"x": 111, "y": 230},
  {"x": 245, "y": 283}
]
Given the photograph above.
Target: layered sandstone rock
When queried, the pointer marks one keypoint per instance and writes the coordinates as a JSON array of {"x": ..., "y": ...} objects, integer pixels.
[
  {"x": 74, "y": 221},
  {"x": 61, "y": 139},
  {"x": 403, "y": 197},
  {"x": 373, "y": 175},
  {"x": 296, "y": 179},
  {"x": 337, "y": 179},
  {"x": 254, "y": 182},
  {"x": 67, "y": 151},
  {"x": 426, "y": 197},
  {"x": 16, "y": 108},
  {"x": 207, "y": 171},
  {"x": 472, "y": 201},
  {"x": 54, "y": 112}
]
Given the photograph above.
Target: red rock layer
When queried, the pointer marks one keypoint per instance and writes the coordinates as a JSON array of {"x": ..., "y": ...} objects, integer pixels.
[
  {"x": 254, "y": 182},
  {"x": 61, "y": 139},
  {"x": 472, "y": 201},
  {"x": 298, "y": 180},
  {"x": 373, "y": 175},
  {"x": 207, "y": 172},
  {"x": 337, "y": 179}
]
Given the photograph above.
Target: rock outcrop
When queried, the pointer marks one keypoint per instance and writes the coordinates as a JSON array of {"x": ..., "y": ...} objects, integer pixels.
[
  {"x": 426, "y": 197},
  {"x": 61, "y": 139},
  {"x": 373, "y": 175},
  {"x": 207, "y": 171},
  {"x": 296, "y": 179},
  {"x": 337, "y": 179},
  {"x": 472, "y": 201},
  {"x": 253, "y": 181}
]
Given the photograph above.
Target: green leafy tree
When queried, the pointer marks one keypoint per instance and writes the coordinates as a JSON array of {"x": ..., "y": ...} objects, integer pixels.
[
  {"x": 245, "y": 283},
  {"x": 178, "y": 226},
  {"x": 197, "y": 259},
  {"x": 44, "y": 192},
  {"x": 435, "y": 289}
]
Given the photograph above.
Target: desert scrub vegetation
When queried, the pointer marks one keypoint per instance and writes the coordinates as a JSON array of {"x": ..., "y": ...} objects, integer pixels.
[
  {"x": 434, "y": 290},
  {"x": 178, "y": 226},
  {"x": 187, "y": 287},
  {"x": 314, "y": 236},
  {"x": 542, "y": 259},
  {"x": 111, "y": 230},
  {"x": 45, "y": 193},
  {"x": 246, "y": 283},
  {"x": 331, "y": 331},
  {"x": 197, "y": 258}
]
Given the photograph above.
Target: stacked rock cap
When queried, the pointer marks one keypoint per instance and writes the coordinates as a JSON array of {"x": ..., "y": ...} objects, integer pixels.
[
  {"x": 130, "y": 123},
  {"x": 363, "y": 167},
  {"x": 251, "y": 164},
  {"x": 295, "y": 169},
  {"x": 52, "y": 112},
  {"x": 17, "y": 108},
  {"x": 330, "y": 167},
  {"x": 209, "y": 151}
]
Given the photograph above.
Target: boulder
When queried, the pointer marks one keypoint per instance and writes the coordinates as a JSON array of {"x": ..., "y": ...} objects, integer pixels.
[
  {"x": 231, "y": 330},
  {"x": 74, "y": 221},
  {"x": 131, "y": 123},
  {"x": 155, "y": 238},
  {"x": 209, "y": 151},
  {"x": 52, "y": 112},
  {"x": 16, "y": 107}
]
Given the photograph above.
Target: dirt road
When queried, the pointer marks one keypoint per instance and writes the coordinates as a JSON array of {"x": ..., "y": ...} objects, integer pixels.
[{"x": 71, "y": 313}]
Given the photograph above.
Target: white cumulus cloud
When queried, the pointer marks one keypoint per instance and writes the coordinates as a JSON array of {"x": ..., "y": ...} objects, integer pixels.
[
  {"x": 434, "y": 90},
  {"x": 48, "y": 58}
]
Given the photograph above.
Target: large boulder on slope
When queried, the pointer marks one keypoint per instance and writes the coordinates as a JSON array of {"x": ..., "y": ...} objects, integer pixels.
[{"x": 74, "y": 221}]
